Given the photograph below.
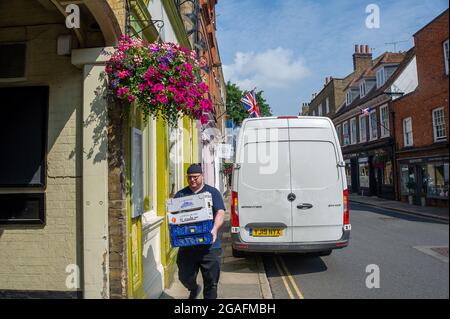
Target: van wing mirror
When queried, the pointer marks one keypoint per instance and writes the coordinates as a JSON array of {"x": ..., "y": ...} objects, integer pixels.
[{"x": 341, "y": 164}]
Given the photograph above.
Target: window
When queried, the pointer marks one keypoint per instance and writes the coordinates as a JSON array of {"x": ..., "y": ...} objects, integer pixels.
[
  {"x": 346, "y": 133},
  {"x": 440, "y": 133},
  {"x": 362, "y": 129},
  {"x": 353, "y": 139},
  {"x": 384, "y": 119},
  {"x": 407, "y": 132},
  {"x": 373, "y": 125},
  {"x": 446, "y": 56},
  {"x": 314, "y": 113},
  {"x": 23, "y": 137},
  {"x": 327, "y": 105},
  {"x": 13, "y": 61},
  {"x": 349, "y": 97},
  {"x": 381, "y": 77},
  {"x": 339, "y": 133},
  {"x": 320, "y": 110},
  {"x": 364, "y": 175},
  {"x": 437, "y": 180},
  {"x": 362, "y": 89},
  {"x": 388, "y": 173}
]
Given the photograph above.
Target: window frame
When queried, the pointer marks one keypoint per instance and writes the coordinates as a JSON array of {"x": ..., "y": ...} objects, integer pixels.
[
  {"x": 346, "y": 138},
  {"x": 405, "y": 132},
  {"x": 349, "y": 97},
  {"x": 385, "y": 127},
  {"x": 436, "y": 138},
  {"x": 381, "y": 77},
  {"x": 361, "y": 139},
  {"x": 327, "y": 105},
  {"x": 362, "y": 89},
  {"x": 446, "y": 56},
  {"x": 371, "y": 126},
  {"x": 353, "y": 135}
]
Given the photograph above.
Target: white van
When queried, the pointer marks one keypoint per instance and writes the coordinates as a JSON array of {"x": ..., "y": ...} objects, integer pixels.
[{"x": 289, "y": 190}]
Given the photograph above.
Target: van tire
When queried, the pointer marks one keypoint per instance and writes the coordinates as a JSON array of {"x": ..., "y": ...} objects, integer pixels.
[
  {"x": 324, "y": 253},
  {"x": 237, "y": 253}
]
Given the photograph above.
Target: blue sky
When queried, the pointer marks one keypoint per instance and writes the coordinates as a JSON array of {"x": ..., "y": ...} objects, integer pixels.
[{"x": 288, "y": 47}]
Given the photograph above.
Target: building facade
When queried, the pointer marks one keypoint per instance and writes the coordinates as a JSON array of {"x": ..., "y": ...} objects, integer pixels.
[
  {"x": 421, "y": 121},
  {"x": 79, "y": 162},
  {"x": 365, "y": 124}
]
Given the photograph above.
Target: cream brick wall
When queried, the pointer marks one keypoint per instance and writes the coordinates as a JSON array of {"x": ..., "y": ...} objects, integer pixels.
[{"x": 36, "y": 257}]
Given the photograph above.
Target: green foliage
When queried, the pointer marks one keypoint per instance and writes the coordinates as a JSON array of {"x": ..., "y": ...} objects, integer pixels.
[{"x": 236, "y": 111}]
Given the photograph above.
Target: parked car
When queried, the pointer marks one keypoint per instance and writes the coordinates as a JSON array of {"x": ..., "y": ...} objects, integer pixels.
[{"x": 289, "y": 189}]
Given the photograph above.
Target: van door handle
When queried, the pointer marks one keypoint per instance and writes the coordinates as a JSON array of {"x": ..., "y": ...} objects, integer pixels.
[{"x": 304, "y": 206}]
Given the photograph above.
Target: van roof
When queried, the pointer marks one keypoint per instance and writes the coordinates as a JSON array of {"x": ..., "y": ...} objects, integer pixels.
[{"x": 282, "y": 118}]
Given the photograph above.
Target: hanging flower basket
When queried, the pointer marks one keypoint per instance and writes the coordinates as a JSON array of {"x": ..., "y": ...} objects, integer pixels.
[{"x": 160, "y": 78}]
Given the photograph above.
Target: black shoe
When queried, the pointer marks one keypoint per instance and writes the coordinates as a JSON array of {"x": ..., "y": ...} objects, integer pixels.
[{"x": 194, "y": 293}]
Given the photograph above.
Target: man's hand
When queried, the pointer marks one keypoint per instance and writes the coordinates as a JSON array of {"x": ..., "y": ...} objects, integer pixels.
[
  {"x": 214, "y": 234},
  {"x": 218, "y": 222}
]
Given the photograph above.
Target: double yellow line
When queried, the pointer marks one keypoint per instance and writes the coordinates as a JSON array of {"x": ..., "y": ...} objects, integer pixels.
[{"x": 285, "y": 276}]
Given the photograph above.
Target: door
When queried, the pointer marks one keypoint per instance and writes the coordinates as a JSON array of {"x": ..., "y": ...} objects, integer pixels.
[
  {"x": 263, "y": 190},
  {"x": 317, "y": 211}
]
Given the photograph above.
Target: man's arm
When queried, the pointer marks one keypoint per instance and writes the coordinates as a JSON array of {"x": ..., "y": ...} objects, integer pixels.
[{"x": 218, "y": 222}]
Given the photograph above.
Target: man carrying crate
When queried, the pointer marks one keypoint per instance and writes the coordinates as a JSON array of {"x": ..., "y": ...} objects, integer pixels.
[{"x": 206, "y": 258}]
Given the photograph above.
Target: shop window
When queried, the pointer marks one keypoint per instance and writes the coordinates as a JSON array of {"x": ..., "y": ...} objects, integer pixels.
[
  {"x": 407, "y": 180},
  {"x": 364, "y": 175},
  {"x": 388, "y": 174},
  {"x": 437, "y": 183},
  {"x": 339, "y": 133}
]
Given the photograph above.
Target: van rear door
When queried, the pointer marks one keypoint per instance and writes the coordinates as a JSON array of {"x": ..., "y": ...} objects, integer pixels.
[
  {"x": 317, "y": 211},
  {"x": 264, "y": 181}
]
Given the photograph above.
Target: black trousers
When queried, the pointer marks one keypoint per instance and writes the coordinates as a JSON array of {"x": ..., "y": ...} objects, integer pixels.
[{"x": 190, "y": 261}]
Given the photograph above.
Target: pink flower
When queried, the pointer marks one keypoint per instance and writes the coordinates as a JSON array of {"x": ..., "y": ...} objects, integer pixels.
[
  {"x": 123, "y": 74},
  {"x": 131, "y": 98},
  {"x": 121, "y": 91},
  {"x": 206, "y": 105},
  {"x": 162, "y": 99},
  {"x": 188, "y": 67},
  {"x": 159, "y": 87},
  {"x": 141, "y": 87},
  {"x": 172, "y": 89},
  {"x": 179, "y": 98},
  {"x": 204, "y": 119}
]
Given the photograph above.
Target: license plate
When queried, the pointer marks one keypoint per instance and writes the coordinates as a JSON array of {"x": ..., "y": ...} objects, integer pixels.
[{"x": 266, "y": 232}]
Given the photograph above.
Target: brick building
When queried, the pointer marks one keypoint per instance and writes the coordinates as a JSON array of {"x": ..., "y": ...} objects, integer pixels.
[{"x": 421, "y": 121}]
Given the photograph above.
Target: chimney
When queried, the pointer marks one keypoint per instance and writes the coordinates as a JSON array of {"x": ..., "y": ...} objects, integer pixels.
[{"x": 362, "y": 58}]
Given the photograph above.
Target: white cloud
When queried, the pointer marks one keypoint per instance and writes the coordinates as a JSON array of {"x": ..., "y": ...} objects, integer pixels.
[{"x": 274, "y": 68}]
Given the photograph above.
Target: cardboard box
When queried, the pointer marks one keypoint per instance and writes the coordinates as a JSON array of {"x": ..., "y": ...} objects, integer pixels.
[
  {"x": 190, "y": 217},
  {"x": 189, "y": 203}
]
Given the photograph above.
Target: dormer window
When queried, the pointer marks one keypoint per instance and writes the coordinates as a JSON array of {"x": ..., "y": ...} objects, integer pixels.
[
  {"x": 381, "y": 77},
  {"x": 362, "y": 89},
  {"x": 349, "y": 97}
]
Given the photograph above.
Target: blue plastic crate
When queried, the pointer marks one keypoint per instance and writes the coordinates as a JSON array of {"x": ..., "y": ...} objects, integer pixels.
[
  {"x": 191, "y": 229},
  {"x": 193, "y": 240}
]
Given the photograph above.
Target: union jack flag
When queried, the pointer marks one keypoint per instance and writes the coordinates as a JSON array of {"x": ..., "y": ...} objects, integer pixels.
[
  {"x": 366, "y": 111},
  {"x": 249, "y": 102}
]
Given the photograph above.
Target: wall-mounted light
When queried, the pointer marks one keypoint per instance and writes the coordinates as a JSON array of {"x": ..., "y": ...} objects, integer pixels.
[{"x": 64, "y": 44}]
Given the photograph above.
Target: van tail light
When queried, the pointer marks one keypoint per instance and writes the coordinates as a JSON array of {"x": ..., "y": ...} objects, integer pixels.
[
  {"x": 346, "y": 209},
  {"x": 234, "y": 210}
]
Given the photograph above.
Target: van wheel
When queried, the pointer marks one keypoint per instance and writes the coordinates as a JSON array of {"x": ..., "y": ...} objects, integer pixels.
[
  {"x": 324, "y": 253},
  {"x": 237, "y": 253}
]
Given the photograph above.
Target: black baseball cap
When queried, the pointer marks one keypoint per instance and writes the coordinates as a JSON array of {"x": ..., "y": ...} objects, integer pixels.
[{"x": 195, "y": 169}]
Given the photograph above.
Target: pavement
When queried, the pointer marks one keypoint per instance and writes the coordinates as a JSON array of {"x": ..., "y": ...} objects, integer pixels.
[
  {"x": 433, "y": 212},
  {"x": 240, "y": 278}
]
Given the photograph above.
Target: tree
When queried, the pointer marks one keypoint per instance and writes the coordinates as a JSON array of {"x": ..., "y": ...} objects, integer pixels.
[{"x": 236, "y": 111}]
